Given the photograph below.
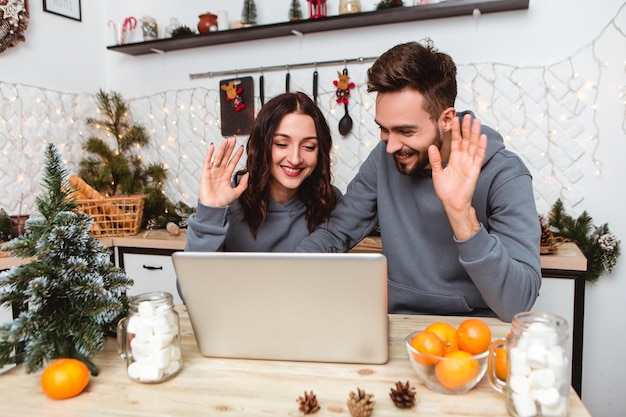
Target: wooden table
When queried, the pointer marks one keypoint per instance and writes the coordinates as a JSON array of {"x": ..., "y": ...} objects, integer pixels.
[{"x": 232, "y": 387}]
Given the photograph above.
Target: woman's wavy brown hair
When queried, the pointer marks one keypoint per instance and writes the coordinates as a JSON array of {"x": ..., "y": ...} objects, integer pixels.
[{"x": 316, "y": 192}]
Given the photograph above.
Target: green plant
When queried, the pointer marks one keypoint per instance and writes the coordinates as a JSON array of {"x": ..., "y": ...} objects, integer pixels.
[
  {"x": 5, "y": 226},
  {"x": 388, "y": 4},
  {"x": 70, "y": 294},
  {"x": 119, "y": 170},
  {"x": 597, "y": 243},
  {"x": 182, "y": 30}
]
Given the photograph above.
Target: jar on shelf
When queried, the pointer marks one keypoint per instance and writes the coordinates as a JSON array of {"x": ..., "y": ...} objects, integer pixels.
[
  {"x": 349, "y": 6},
  {"x": 207, "y": 23},
  {"x": 538, "y": 366},
  {"x": 149, "y": 338}
]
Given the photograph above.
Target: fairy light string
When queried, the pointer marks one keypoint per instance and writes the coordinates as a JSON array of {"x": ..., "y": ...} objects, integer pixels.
[{"x": 548, "y": 114}]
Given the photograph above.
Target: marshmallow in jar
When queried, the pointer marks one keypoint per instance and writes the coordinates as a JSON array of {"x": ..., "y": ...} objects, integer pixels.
[
  {"x": 539, "y": 366},
  {"x": 149, "y": 338}
]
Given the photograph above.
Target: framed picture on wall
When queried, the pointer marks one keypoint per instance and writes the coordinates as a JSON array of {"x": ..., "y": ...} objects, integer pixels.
[{"x": 65, "y": 8}]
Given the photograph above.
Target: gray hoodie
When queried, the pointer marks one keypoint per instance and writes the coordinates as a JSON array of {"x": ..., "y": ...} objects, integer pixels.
[{"x": 496, "y": 271}]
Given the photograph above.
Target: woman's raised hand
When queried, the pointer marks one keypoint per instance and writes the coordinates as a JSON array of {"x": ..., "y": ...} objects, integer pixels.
[{"x": 219, "y": 165}]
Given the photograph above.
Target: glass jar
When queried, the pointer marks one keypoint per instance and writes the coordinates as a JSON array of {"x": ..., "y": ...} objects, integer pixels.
[
  {"x": 349, "y": 6},
  {"x": 538, "y": 366},
  {"x": 149, "y": 338}
]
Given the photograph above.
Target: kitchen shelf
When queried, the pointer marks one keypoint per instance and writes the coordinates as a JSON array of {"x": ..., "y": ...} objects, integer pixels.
[{"x": 448, "y": 8}]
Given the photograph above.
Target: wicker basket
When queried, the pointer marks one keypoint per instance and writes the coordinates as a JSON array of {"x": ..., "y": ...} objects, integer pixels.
[{"x": 114, "y": 216}]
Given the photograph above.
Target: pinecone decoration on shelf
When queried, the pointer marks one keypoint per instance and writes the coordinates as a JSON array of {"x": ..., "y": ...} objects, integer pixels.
[
  {"x": 403, "y": 396},
  {"x": 548, "y": 242},
  {"x": 361, "y": 404},
  {"x": 308, "y": 403}
]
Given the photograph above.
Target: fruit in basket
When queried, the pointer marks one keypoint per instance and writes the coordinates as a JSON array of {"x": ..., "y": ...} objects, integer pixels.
[
  {"x": 64, "y": 378},
  {"x": 458, "y": 371},
  {"x": 447, "y": 334},
  {"x": 428, "y": 343},
  {"x": 473, "y": 336}
]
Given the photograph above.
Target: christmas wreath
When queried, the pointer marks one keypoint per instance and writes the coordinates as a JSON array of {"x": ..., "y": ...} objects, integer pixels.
[{"x": 13, "y": 22}]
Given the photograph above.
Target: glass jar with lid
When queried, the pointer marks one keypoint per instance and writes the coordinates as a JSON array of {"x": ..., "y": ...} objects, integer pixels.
[{"x": 349, "y": 6}]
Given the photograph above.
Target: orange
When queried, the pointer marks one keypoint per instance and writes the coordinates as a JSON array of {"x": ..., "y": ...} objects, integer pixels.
[
  {"x": 473, "y": 336},
  {"x": 447, "y": 333},
  {"x": 64, "y": 378},
  {"x": 457, "y": 370},
  {"x": 428, "y": 343},
  {"x": 501, "y": 370}
]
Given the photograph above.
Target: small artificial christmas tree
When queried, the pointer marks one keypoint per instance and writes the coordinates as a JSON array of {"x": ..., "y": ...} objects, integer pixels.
[
  {"x": 295, "y": 10},
  {"x": 248, "y": 13},
  {"x": 71, "y": 293},
  {"x": 119, "y": 171}
]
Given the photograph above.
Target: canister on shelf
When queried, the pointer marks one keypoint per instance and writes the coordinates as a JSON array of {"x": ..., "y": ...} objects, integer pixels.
[{"x": 349, "y": 6}]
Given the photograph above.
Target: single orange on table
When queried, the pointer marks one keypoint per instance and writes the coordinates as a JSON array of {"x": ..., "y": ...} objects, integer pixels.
[
  {"x": 428, "y": 343},
  {"x": 473, "y": 336},
  {"x": 64, "y": 378},
  {"x": 458, "y": 370},
  {"x": 447, "y": 333}
]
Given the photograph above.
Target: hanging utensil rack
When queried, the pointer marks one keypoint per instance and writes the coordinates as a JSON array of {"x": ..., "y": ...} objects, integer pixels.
[{"x": 285, "y": 67}]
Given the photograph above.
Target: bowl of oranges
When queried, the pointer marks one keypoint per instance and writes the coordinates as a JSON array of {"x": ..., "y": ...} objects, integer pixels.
[{"x": 448, "y": 359}]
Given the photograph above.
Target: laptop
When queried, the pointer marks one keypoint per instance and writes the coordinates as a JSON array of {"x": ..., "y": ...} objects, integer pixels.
[{"x": 319, "y": 307}]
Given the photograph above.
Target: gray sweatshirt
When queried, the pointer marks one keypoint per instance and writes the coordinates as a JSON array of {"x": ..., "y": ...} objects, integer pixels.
[
  {"x": 223, "y": 229},
  {"x": 496, "y": 271}
]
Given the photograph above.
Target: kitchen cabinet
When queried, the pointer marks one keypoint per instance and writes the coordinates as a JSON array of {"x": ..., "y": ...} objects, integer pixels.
[
  {"x": 150, "y": 269},
  {"x": 448, "y": 8}
]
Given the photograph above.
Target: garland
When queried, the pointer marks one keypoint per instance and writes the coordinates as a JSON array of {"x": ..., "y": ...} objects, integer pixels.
[
  {"x": 597, "y": 243},
  {"x": 13, "y": 22}
]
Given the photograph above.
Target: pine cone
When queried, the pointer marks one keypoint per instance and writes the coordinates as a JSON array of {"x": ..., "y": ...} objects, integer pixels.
[
  {"x": 403, "y": 396},
  {"x": 308, "y": 403},
  {"x": 547, "y": 237},
  {"x": 361, "y": 404}
]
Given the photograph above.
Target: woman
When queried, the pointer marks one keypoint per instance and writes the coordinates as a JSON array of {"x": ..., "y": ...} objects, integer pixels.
[{"x": 284, "y": 193}]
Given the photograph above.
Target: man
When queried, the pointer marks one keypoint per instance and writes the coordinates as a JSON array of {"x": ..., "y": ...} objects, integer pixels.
[{"x": 456, "y": 210}]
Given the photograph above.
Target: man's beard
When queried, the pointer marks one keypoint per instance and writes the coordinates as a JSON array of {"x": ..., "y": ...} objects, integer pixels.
[{"x": 422, "y": 158}]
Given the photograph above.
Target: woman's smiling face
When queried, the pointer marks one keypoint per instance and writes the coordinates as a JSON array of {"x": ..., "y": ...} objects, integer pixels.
[{"x": 294, "y": 155}]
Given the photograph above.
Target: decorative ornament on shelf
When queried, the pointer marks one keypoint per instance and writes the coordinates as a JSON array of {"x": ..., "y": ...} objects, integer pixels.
[
  {"x": 182, "y": 30},
  {"x": 13, "y": 22},
  {"x": 248, "y": 13},
  {"x": 295, "y": 11},
  {"x": 317, "y": 8},
  {"x": 388, "y": 4},
  {"x": 207, "y": 23},
  {"x": 597, "y": 243},
  {"x": 70, "y": 295}
]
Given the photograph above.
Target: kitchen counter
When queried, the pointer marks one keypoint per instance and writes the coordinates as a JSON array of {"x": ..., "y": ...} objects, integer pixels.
[{"x": 213, "y": 386}]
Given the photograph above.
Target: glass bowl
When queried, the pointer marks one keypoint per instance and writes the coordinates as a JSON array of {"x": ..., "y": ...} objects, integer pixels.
[{"x": 447, "y": 375}]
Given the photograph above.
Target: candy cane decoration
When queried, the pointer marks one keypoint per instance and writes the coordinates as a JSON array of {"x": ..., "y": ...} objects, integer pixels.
[{"x": 130, "y": 23}]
